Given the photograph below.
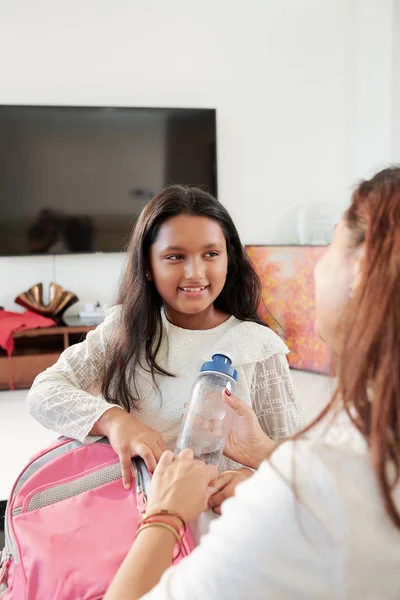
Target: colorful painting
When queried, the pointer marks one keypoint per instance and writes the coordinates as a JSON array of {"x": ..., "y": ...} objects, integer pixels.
[{"x": 288, "y": 306}]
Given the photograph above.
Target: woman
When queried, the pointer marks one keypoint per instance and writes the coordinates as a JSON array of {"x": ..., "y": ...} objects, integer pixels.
[{"x": 321, "y": 518}]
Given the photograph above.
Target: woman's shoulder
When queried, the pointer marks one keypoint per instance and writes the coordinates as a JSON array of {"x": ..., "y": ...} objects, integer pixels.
[{"x": 250, "y": 342}]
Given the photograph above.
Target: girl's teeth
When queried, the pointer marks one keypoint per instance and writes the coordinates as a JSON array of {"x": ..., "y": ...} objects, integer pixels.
[{"x": 193, "y": 289}]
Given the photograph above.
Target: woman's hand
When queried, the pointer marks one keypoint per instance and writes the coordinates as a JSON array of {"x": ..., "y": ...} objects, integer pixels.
[
  {"x": 226, "y": 486},
  {"x": 181, "y": 485},
  {"x": 247, "y": 443},
  {"x": 130, "y": 437}
]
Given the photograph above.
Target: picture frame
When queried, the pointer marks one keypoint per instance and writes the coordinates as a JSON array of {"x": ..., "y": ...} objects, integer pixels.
[{"x": 288, "y": 303}]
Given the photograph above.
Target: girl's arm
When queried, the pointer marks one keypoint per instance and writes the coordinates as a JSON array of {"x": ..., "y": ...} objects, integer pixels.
[
  {"x": 274, "y": 398},
  {"x": 66, "y": 397}
]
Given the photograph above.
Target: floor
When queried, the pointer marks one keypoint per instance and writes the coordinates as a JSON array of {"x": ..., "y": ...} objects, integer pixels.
[{"x": 20, "y": 437}]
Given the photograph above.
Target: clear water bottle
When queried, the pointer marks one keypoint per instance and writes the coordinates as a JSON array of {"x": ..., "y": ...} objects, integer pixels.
[{"x": 206, "y": 423}]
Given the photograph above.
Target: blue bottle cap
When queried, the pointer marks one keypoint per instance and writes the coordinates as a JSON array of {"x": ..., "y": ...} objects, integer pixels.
[{"x": 220, "y": 363}]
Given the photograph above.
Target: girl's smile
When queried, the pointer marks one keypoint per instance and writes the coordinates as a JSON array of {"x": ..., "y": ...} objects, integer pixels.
[{"x": 194, "y": 292}]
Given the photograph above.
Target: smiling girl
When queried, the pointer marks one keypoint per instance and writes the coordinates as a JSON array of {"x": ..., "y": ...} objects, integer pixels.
[{"x": 188, "y": 290}]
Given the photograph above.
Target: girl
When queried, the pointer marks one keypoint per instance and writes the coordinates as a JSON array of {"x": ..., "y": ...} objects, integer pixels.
[
  {"x": 322, "y": 519},
  {"x": 188, "y": 290}
]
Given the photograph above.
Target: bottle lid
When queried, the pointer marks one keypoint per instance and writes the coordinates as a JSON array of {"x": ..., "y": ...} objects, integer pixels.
[{"x": 221, "y": 363}]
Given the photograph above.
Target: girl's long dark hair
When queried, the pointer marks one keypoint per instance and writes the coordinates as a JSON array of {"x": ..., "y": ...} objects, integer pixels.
[{"x": 140, "y": 330}]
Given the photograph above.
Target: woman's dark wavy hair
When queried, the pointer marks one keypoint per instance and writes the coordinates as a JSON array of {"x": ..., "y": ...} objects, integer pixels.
[{"x": 140, "y": 330}]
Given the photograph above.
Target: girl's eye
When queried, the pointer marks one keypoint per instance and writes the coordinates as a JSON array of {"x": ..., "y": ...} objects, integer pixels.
[
  {"x": 175, "y": 257},
  {"x": 211, "y": 254}
]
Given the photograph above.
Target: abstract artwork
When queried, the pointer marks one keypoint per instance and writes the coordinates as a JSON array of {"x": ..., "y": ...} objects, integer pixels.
[{"x": 288, "y": 307}]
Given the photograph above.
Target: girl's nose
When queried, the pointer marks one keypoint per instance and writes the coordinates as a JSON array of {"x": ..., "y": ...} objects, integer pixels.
[{"x": 194, "y": 269}]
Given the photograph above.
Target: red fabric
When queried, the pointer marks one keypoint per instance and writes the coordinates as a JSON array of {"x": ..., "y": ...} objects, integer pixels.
[{"x": 13, "y": 321}]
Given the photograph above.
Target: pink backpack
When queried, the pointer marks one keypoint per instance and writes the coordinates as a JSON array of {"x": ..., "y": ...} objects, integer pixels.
[{"x": 70, "y": 523}]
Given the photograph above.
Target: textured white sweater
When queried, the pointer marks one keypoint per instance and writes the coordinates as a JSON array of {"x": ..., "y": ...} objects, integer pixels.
[{"x": 67, "y": 397}]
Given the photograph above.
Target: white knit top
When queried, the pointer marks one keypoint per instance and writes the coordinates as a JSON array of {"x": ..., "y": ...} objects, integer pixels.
[{"x": 67, "y": 397}]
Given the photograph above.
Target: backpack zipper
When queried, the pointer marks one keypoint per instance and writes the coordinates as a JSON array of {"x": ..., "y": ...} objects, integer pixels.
[
  {"x": 4, "y": 562},
  {"x": 9, "y": 541},
  {"x": 141, "y": 497}
]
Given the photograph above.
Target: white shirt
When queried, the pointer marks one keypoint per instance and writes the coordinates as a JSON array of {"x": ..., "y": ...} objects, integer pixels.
[
  {"x": 335, "y": 542},
  {"x": 67, "y": 397}
]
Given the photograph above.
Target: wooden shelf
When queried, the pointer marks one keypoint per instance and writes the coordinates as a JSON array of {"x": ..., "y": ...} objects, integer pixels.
[{"x": 36, "y": 350}]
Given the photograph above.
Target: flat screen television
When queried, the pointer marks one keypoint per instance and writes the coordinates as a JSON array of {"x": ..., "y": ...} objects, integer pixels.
[{"x": 74, "y": 179}]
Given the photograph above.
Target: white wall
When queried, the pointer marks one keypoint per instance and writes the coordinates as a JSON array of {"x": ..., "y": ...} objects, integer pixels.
[
  {"x": 292, "y": 82},
  {"x": 304, "y": 94},
  {"x": 396, "y": 82},
  {"x": 370, "y": 86}
]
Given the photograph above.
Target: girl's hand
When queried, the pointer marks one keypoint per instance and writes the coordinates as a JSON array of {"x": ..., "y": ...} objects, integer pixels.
[
  {"x": 226, "y": 485},
  {"x": 181, "y": 485},
  {"x": 247, "y": 444},
  {"x": 130, "y": 437}
]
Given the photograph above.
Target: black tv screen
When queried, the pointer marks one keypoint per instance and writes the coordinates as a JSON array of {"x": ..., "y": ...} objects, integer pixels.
[{"x": 74, "y": 179}]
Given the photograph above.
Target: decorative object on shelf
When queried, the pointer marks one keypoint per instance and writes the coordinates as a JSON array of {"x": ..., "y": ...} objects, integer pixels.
[
  {"x": 286, "y": 274},
  {"x": 59, "y": 300},
  {"x": 92, "y": 314},
  {"x": 315, "y": 223}
]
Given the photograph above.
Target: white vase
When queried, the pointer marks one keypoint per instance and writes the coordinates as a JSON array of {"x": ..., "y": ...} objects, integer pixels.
[{"x": 315, "y": 224}]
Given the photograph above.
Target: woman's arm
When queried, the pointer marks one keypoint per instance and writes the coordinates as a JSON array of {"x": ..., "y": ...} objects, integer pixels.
[
  {"x": 149, "y": 557},
  {"x": 179, "y": 485},
  {"x": 265, "y": 545},
  {"x": 247, "y": 443},
  {"x": 275, "y": 414}
]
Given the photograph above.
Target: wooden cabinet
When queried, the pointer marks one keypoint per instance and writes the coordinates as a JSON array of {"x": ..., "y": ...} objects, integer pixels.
[{"x": 37, "y": 349}]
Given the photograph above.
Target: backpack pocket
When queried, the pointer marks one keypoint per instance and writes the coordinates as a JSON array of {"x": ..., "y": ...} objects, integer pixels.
[{"x": 72, "y": 539}]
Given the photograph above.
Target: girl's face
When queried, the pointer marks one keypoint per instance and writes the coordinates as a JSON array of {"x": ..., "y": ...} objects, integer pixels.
[
  {"x": 188, "y": 264},
  {"x": 335, "y": 276}
]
